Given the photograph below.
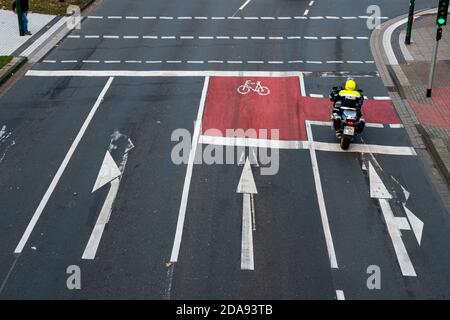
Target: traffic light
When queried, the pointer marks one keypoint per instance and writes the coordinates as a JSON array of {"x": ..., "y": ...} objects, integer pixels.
[
  {"x": 439, "y": 34},
  {"x": 442, "y": 12}
]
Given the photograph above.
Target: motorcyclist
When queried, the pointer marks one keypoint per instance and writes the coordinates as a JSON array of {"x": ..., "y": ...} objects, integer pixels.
[{"x": 347, "y": 96}]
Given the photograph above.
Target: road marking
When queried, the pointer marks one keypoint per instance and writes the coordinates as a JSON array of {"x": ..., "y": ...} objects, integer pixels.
[
  {"x": 131, "y": 37},
  {"x": 91, "y": 61},
  {"x": 387, "y": 36},
  {"x": 61, "y": 169},
  {"x": 244, "y": 5},
  {"x": 247, "y": 187},
  {"x": 321, "y": 200},
  {"x": 111, "y": 37},
  {"x": 112, "y": 61},
  {"x": 49, "y": 61},
  {"x": 132, "y": 18},
  {"x": 304, "y": 145},
  {"x": 340, "y": 295},
  {"x": 187, "y": 180},
  {"x": 312, "y": 95},
  {"x": 91, "y": 36},
  {"x": 304, "y": 17},
  {"x": 396, "y": 126},
  {"x": 95, "y": 17},
  {"x": 73, "y": 36},
  {"x": 394, "y": 224},
  {"x": 111, "y": 174},
  {"x": 382, "y": 98},
  {"x": 69, "y": 61},
  {"x": 306, "y": 12},
  {"x": 115, "y": 17}
]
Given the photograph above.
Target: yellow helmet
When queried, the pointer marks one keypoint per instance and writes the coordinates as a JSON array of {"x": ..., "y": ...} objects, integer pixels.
[{"x": 350, "y": 85}]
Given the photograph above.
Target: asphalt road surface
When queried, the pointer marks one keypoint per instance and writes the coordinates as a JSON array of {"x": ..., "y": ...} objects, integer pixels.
[{"x": 91, "y": 180}]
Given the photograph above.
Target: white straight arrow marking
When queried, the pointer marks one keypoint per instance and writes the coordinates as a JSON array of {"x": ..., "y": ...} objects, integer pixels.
[
  {"x": 377, "y": 188},
  {"x": 108, "y": 172},
  {"x": 247, "y": 186},
  {"x": 399, "y": 247}
]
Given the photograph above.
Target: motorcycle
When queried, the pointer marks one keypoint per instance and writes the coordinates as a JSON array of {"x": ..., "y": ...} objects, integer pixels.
[{"x": 347, "y": 123}]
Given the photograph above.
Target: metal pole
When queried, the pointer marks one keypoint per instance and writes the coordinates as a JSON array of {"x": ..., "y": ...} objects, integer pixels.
[
  {"x": 410, "y": 21},
  {"x": 433, "y": 68},
  {"x": 19, "y": 17}
]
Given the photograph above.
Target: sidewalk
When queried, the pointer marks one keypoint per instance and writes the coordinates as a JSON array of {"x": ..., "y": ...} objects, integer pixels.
[
  {"x": 427, "y": 120},
  {"x": 10, "y": 40}
]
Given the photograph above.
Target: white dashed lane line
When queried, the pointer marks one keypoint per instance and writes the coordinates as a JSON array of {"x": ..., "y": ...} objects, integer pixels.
[
  {"x": 210, "y": 37},
  {"x": 304, "y": 17},
  {"x": 217, "y": 61}
]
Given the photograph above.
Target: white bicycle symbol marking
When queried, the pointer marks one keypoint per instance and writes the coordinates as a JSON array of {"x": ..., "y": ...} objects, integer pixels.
[{"x": 253, "y": 86}]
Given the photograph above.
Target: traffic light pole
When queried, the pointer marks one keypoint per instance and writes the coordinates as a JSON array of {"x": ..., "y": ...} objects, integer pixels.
[
  {"x": 410, "y": 21},
  {"x": 20, "y": 17},
  {"x": 433, "y": 65}
]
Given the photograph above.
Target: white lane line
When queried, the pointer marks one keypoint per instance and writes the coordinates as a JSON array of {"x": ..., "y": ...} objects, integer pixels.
[
  {"x": 131, "y": 37},
  {"x": 258, "y": 38},
  {"x": 168, "y": 37},
  {"x": 114, "y": 17},
  {"x": 61, "y": 169},
  {"x": 276, "y": 38},
  {"x": 195, "y": 61},
  {"x": 95, "y": 17},
  {"x": 284, "y": 18},
  {"x": 149, "y": 18},
  {"x": 267, "y": 18},
  {"x": 111, "y": 37},
  {"x": 72, "y": 36},
  {"x": 310, "y": 38},
  {"x": 301, "y": 78},
  {"x": 314, "y": 62},
  {"x": 206, "y": 37},
  {"x": 374, "y": 125},
  {"x": 91, "y": 61},
  {"x": 332, "y": 17},
  {"x": 150, "y": 37},
  {"x": 251, "y": 18},
  {"x": 222, "y": 37},
  {"x": 275, "y": 62},
  {"x": 255, "y": 62},
  {"x": 184, "y": 18},
  {"x": 159, "y": 73},
  {"x": 355, "y": 62},
  {"x": 112, "y": 61},
  {"x": 316, "y": 18},
  {"x": 133, "y": 61},
  {"x": 294, "y": 37},
  {"x": 346, "y": 38},
  {"x": 49, "y": 61},
  {"x": 234, "y": 61},
  {"x": 153, "y": 61},
  {"x": 306, "y": 12},
  {"x": 312, "y": 95},
  {"x": 240, "y": 38},
  {"x": 311, "y": 3},
  {"x": 244, "y": 5},
  {"x": 165, "y": 18},
  {"x": 174, "y": 61},
  {"x": 215, "y": 61},
  {"x": 132, "y": 18},
  {"x": 396, "y": 126},
  {"x": 187, "y": 180},
  {"x": 349, "y": 18},
  {"x": 186, "y": 37},
  {"x": 69, "y": 61},
  {"x": 382, "y": 98},
  {"x": 201, "y": 18},
  {"x": 328, "y": 38},
  {"x": 91, "y": 36},
  {"x": 340, "y": 295},
  {"x": 217, "y": 18},
  {"x": 336, "y": 62},
  {"x": 321, "y": 200}
]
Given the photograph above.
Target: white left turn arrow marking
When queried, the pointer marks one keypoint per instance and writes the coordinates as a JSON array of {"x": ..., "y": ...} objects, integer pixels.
[{"x": 247, "y": 187}]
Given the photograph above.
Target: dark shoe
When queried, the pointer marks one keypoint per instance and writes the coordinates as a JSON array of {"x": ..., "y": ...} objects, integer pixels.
[{"x": 28, "y": 33}]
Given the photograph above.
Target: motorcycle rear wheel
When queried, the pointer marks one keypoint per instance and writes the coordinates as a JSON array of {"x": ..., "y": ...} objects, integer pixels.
[{"x": 345, "y": 142}]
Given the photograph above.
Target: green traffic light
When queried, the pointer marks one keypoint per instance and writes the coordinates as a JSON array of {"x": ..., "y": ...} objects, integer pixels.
[{"x": 441, "y": 21}]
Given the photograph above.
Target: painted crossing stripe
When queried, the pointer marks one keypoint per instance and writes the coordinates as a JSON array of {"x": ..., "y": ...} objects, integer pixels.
[{"x": 299, "y": 145}]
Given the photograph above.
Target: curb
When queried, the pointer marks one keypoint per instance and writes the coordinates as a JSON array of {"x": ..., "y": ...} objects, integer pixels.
[
  {"x": 419, "y": 137},
  {"x": 433, "y": 145},
  {"x": 12, "y": 67},
  {"x": 17, "y": 62}
]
